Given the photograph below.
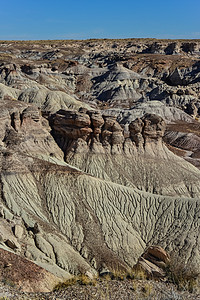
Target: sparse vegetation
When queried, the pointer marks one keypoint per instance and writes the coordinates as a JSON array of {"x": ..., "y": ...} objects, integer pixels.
[
  {"x": 116, "y": 275},
  {"x": 135, "y": 286},
  {"x": 81, "y": 280},
  {"x": 139, "y": 274},
  {"x": 8, "y": 282},
  {"x": 147, "y": 289},
  {"x": 125, "y": 40},
  {"x": 185, "y": 277}
]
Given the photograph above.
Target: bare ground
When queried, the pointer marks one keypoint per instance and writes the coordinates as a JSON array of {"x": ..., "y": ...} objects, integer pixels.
[{"x": 107, "y": 290}]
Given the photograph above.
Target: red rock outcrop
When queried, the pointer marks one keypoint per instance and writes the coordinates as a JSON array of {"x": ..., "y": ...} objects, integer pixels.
[
  {"x": 154, "y": 261},
  {"x": 24, "y": 274}
]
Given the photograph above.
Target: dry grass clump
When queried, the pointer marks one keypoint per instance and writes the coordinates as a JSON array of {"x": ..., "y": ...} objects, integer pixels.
[
  {"x": 139, "y": 274},
  {"x": 135, "y": 286},
  {"x": 130, "y": 274},
  {"x": 81, "y": 280},
  {"x": 147, "y": 289}
]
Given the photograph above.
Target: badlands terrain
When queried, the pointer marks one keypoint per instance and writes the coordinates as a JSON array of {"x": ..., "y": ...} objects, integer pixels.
[{"x": 99, "y": 157}]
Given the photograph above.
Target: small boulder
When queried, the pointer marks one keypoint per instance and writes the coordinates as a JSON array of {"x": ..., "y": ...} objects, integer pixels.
[
  {"x": 153, "y": 261},
  {"x": 156, "y": 254},
  {"x": 149, "y": 268}
]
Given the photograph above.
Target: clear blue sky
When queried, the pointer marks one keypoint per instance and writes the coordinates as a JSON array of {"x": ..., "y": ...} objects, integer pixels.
[{"x": 82, "y": 19}]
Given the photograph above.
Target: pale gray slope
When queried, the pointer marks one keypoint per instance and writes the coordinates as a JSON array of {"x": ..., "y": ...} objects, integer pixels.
[
  {"x": 168, "y": 113},
  {"x": 46, "y": 99},
  {"x": 154, "y": 169},
  {"x": 104, "y": 222}
]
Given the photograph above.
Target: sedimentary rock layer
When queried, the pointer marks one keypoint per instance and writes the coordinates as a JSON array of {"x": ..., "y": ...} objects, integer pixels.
[{"x": 135, "y": 157}]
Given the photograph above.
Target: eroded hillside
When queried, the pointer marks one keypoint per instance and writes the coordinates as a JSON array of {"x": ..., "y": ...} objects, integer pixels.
[
  {"x": 87, "y": 181},
  {"x": 105, "y": 73}
]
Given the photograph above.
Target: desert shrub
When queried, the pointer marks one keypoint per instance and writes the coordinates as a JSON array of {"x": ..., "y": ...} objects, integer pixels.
[{"x": 185, "y": 277}]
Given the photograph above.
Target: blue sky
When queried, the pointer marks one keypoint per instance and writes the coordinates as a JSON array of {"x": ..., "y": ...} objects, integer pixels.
[{"x": 76, "y": 19}]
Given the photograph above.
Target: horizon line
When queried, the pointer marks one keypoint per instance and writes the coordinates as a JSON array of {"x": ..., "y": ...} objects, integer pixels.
[{"x": 96, "y": 39}]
